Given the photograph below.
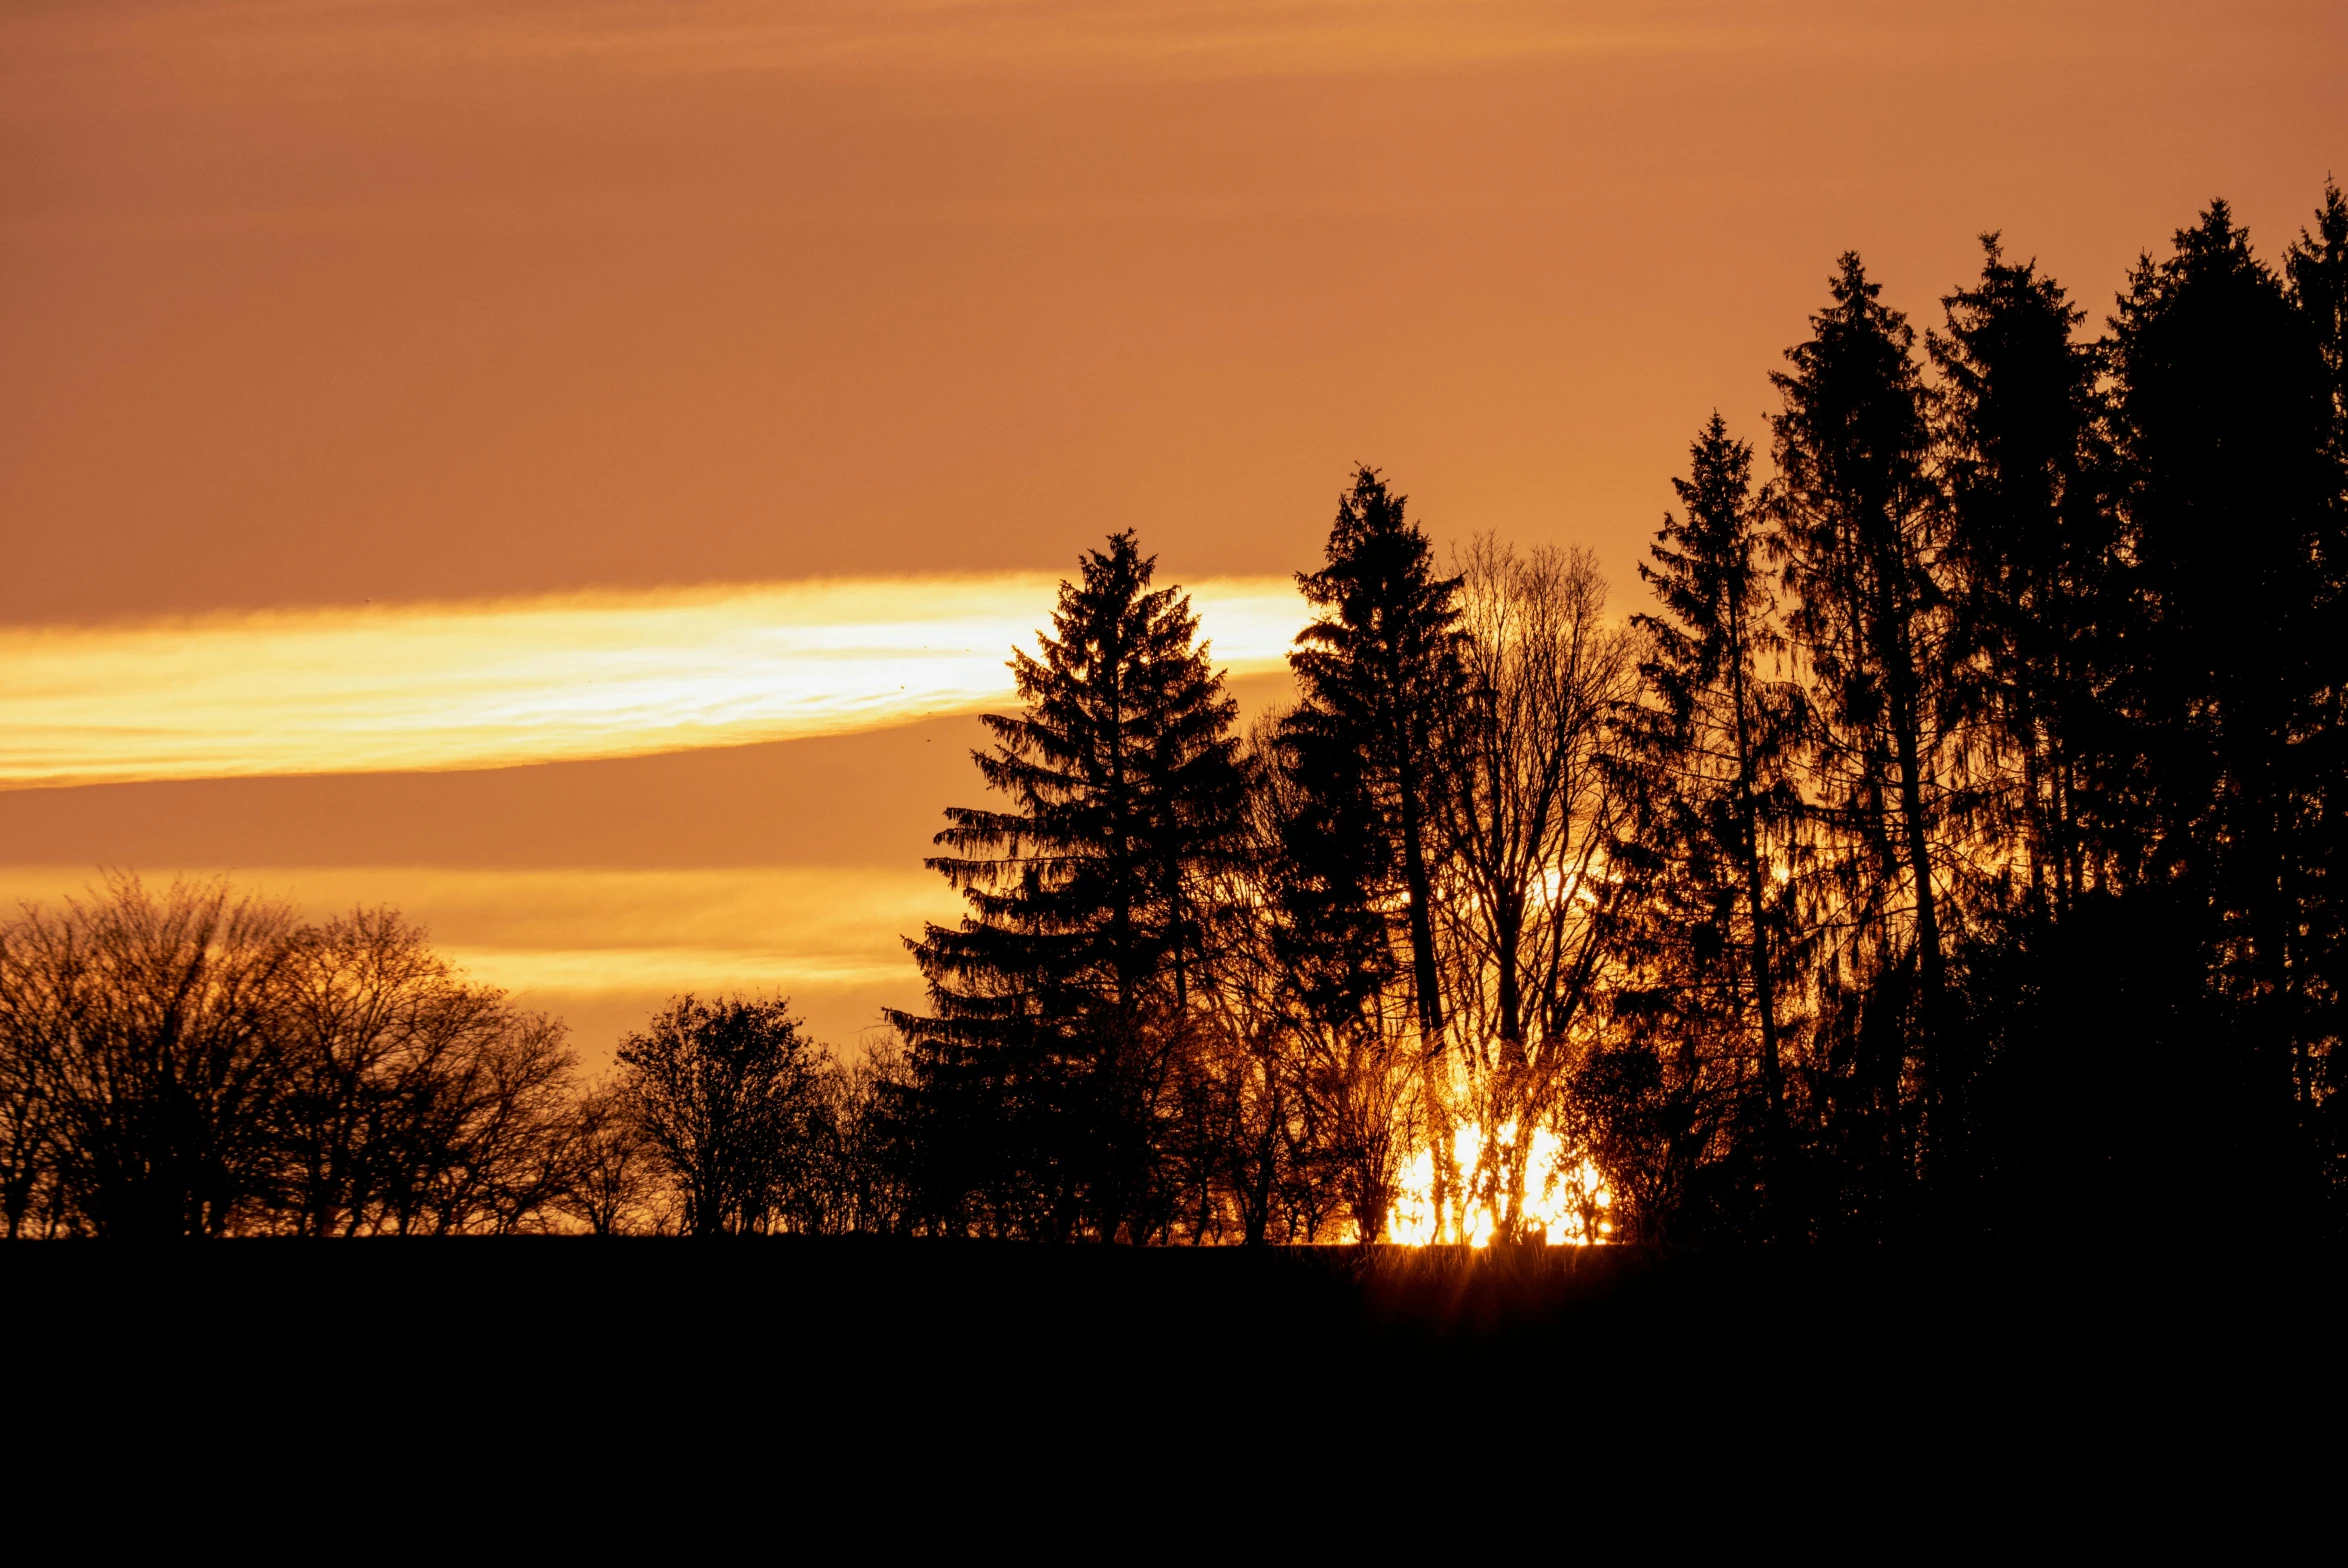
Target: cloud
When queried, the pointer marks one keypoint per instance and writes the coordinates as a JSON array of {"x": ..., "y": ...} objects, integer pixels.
[
  {"x": 312, "y": 41},
  {"x": 565, "y": 678}
]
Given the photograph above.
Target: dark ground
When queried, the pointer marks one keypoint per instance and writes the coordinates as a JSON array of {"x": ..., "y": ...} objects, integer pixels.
[
  {"x": 1034, "y": 1363},
  {"x": 662, "y": 1400},
  {"x": 859, "y": 1308}
]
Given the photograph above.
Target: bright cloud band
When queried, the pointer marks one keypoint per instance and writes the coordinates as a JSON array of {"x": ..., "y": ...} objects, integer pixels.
[{"x": 430, "y": 687}]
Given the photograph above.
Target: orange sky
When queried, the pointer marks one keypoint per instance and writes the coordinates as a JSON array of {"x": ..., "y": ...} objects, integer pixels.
[{"x": 304, "y": 305}]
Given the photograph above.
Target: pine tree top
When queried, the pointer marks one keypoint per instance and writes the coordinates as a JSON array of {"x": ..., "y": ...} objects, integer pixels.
[
  {"x": 1120, "y": 779},
  {"x": 1385, "y": 652}
]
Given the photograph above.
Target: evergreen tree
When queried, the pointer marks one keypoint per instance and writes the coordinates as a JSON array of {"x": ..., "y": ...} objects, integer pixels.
[
  {"x": 2032, "y": 549},
  {"x": 1324, "y": 871},
  {"x": 1862, "y": 518},
  {"x": 1331, "y": 869},
  {"x": 1060, "y": 1000},
  {"x": 2225, "y": 415},
  {"x": 1377, "y": 670},
  {"x": 1717, "y": 839},
  {"x": 2317, "y": 265}
]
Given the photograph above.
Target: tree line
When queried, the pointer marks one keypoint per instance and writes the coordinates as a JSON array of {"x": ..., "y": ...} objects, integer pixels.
[
  {"x": 195, "y": 1063},
  {"x": 1945, "y": 849}
]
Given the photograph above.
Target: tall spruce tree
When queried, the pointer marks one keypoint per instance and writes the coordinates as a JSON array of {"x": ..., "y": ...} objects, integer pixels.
[
  {"x": 2225, "y": 416},
  {"x": 1377, "y": 672},
  {"x": 2317, "y": 265},
  {"x": 1327, "y": 880},
  {"x": 1861, "y": 513},
  {"x": 2053, "y": 968},
  {"x": 1716, "y": 747},
  {"x": 1323, "y": 878},
  {"x": 2033, "y": 550},
  {"x": 1040, "y": 1076}
]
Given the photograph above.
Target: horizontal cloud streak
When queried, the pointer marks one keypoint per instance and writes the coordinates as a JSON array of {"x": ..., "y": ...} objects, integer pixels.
[
  {"x": 291, "y": 47},
  {"x": 434, "y": 687}
]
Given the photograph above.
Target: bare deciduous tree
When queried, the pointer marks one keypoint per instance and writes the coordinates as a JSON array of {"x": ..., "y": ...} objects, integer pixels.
[
  {"x": 196, "y": 1064},
  {"x": 415, "y": 1102},
  {"x": 853, "y": 1181},
  {"x": 142, "y": 1055},
  {"x": 614, "y": 1190},
  {"x": 1528, "y": 811}
]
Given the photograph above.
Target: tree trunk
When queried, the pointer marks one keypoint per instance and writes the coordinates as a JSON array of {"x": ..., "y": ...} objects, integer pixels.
[
  {"x": 1764, "y": 979},
  {"x": 1422, "y": 919},
  {"x": 1931, "y": 974}
]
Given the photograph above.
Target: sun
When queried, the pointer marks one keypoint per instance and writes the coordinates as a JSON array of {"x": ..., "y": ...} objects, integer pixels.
[{"x": 1563, "y": 1202}]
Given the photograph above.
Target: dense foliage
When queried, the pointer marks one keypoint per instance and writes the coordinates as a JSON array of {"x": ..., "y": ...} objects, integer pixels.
[{"x": 1949, "y": 849}]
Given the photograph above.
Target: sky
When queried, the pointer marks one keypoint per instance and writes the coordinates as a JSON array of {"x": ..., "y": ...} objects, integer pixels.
[{"x": 496, "y": 459}]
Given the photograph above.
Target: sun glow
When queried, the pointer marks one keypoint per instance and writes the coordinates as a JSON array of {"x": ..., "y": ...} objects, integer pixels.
[
  {"x": 1564, "y": 1204},
  {"x": 429, "y": 687}
]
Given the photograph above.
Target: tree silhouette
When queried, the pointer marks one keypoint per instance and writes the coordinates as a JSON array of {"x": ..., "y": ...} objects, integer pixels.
[
  {"x": 1377, "y": 670},
  {"x": 1063, "y": 998},
  {"x": 724, "y": 1091},
  {"x": 1955, "y": 846},
  {"x": 1316, "y": 983},
  {"x": 2225, "y": 418},
  {"x": 2033, "y": 550},
  {"x": 2317, "y": 266},
  {"x": 1714, "y": 909},
  {"x": 1529, "y": 811},
  {"x": 1862, "y": 521},
  {"x": 148, "y": 1021},
  {"x": 614, "y": 1190},
  {"x": 411, "y": 1100}
]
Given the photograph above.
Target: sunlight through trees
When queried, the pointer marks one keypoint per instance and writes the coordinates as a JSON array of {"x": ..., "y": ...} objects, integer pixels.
[{"x": 1948, "y": 849}]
